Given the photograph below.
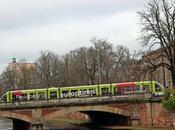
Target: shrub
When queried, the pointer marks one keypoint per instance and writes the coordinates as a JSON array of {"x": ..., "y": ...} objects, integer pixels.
[{"x": 169, "y": 99}]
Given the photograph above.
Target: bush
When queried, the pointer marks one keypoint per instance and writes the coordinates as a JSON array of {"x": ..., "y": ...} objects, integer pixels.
[{"x": 169, "y": 99}]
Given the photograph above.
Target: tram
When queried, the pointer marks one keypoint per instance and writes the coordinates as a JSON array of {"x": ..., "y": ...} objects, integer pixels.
[{"x": 114, "y": 89}]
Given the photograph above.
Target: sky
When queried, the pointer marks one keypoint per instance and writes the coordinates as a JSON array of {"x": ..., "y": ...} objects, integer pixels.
[{"x": 29, "y": 26}]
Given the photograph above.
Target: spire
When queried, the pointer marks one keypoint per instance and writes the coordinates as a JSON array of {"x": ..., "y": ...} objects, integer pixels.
[{"x": 13, "y": 60}]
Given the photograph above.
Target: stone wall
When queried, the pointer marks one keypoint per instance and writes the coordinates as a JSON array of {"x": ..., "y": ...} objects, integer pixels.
[{"x": 140, "y": 114}]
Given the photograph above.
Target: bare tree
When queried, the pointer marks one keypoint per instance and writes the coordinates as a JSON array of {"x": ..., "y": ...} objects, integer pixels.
[
  {"x": 158, "y": 29},
  {"x": 77, "y": 70},
  {"x": 9, "y": 78},
  {"x": 99, "y": 64},
  {"x": 81, "y": 66},
  {"x": 27, "y": 75},
  {"x": 47, "y": 67},
  {"x": 121, "y": 56},
  {"x": 96, "y": 64},
  {"x": 19, "y": 75},
  {"x": 64, "y": 69},
  {"x": 91, "y": 65},
  {"x": 125, "y": 66},
  {"x": 105, "y": 59}
]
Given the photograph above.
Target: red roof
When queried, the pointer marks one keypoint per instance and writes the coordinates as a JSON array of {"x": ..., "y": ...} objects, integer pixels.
[
  {"x": 16, "y": 92},
  {"x": 132, "y": 84}
]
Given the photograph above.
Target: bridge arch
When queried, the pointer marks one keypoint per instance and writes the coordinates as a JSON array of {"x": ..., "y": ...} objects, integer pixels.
[
  {"x": 85, "y": 112},
  {"x": 15, "y": 115}
]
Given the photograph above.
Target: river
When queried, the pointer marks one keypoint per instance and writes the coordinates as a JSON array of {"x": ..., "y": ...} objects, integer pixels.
[{"x": 6, "y": 124}]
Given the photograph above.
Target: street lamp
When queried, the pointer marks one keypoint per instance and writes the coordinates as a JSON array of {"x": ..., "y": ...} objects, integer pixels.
[
  {"x": 99, "y": 73},
  {"x": 164, "y": 78}
]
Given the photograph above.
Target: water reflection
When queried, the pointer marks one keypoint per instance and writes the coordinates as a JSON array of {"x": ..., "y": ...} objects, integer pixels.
[
  {"x": 5, "y": 124},
  {"x": 91, "y": 128},
  {"x": 87, "y": 129}
]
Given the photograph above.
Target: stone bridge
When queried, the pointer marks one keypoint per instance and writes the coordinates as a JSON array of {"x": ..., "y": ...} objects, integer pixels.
[{"x": 123, "y": 112}]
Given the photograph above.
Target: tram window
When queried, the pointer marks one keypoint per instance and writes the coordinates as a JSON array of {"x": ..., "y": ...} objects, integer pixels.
[
  {"x": 4, "y": 98},
  {"x": 32, "y": 96},
  {"x": 115, "y": 90},
  {"x": 92, "y": 92},
  {"x": 127, "y": 89},
  {"x": 145, "y": 88},
  {"x": 53, "y": 94},
  {"x": 65, "y": 93},
  {"x": 158, "y": 88},
  {"x": 15, "y": 97},
  {"x": 81, "y": 92},
  {"x": 104, "y": 91},
  {"x": 74, "y": 93},
  {"x": 84, "y": 92},
  {"x": 119, "y": 90},
  {"x": 23, "y": 97},
  {"x": 41, "y": 95},
  {"x": 136, "y": 89}
]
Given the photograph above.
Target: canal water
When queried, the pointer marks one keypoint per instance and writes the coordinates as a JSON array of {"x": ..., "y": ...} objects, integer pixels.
[{"x": 6, "y": 124}]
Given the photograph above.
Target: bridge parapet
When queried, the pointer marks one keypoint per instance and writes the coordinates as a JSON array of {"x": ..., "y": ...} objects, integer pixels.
[
  {"x": 138, "y": 108},
  {"x": 78, "y": 101}
]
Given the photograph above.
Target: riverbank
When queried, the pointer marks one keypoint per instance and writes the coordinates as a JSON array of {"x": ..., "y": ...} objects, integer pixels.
[
  {"x": 134, "y": 128},
  {"x": 63, "y": 124},
  {"x": 139, "y": 128}
]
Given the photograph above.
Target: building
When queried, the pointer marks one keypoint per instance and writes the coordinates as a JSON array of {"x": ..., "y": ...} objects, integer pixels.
[
  {"x": 25, "y": 74},
  {"x": 18, "y": 65},
  {"x": 152, "y": 70}
]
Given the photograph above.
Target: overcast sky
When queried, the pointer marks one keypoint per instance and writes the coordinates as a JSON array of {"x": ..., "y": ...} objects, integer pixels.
[{"x": 29, "y": 26}]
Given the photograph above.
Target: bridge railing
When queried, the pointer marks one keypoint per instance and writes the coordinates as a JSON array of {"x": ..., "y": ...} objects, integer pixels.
[{"x": 77, "y": 101}]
